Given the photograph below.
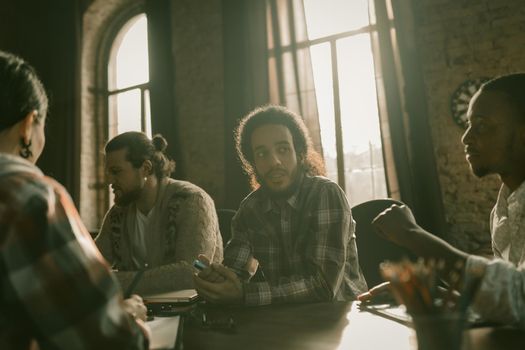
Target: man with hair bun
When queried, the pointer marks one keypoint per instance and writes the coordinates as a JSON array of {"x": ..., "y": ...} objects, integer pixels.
[{"x": 157, "y": 223}]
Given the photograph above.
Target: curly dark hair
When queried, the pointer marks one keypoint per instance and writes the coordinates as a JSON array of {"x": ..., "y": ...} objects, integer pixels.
[
  {"x": 311, "y": 162},
  {"x": 141, "y": 148}
]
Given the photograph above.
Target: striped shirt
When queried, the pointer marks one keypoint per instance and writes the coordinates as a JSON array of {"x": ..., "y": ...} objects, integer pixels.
[
  {"x": 55, "y": 287},
  {"x": 305, "y": 245}
]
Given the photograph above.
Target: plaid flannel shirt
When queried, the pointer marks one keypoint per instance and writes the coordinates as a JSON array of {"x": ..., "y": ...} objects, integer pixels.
[
  {"x": 305, "y": 245},
  {"x": 55, "y": 287}
]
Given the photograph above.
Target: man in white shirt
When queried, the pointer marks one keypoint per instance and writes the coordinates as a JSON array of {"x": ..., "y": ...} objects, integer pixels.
[{"x": 494, "y": 144}]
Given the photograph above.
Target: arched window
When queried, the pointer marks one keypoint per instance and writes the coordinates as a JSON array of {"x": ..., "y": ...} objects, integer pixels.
[
  {"x": 128, "y": 80},
  {"x": 115, "y": 92}
]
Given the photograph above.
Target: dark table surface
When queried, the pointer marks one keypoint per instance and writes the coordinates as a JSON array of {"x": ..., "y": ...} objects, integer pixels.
[{"x": 319, "y": 326}]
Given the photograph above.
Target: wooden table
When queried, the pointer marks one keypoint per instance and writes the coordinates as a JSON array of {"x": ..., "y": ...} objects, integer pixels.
[{"x": 320, "y": 326}]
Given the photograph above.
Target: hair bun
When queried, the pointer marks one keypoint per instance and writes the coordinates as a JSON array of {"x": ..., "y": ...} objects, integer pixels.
[{"x": 159, "y": 142}]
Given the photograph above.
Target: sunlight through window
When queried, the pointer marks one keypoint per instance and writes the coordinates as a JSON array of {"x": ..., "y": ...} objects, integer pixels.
[
  {"x": 128, "y": 79},
  {"x": 345, "y": 26},
  {"x": 340, "y": 16}
]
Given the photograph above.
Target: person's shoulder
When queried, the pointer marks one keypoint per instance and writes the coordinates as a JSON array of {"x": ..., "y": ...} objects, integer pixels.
[
  {"x": 184, "y": 187},
  {"x": 19, "y": 188},
  {"x": 324, "y": 192},
  {"x": 321, "y": 183},
  {"x": 252, "y": 199},
  {"x": 38, "y": 192},
  {"x": 187, "y": 192},
  {"x": 116, "y": 210}
]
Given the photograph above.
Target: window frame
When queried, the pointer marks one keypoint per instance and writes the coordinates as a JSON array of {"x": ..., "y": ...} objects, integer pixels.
[
  {"x": 144, "y": 88},
  {"x": 332, "y": 41},
  {"x": 102, "y": 23}
]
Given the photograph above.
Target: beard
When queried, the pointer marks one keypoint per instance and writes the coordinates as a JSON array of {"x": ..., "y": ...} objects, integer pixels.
[
  {"x": 480, "y": 171},
  {"x": 129, "y": 197},
  {"x": 508, "y": 157},
  {"x": 284, "y": 193}
]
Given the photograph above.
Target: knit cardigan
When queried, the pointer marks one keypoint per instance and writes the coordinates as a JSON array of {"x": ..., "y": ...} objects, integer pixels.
[{"x": 183, "y": 225}]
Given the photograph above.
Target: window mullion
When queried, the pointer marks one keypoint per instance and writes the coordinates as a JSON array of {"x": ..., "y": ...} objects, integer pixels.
[
  {"x": 142, "y": 111},
  {"x": 337, "y": 117}
]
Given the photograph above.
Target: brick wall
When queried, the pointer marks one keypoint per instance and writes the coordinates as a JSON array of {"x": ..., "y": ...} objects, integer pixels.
[
  {"x": 459, "y": 40},
  {"x": 199, "y": 92},
  {"x": 198, "y": 95}
]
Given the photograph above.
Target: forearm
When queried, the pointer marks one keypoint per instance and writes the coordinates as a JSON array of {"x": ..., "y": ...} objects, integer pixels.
[
  {"x": 294, "y": 290},
  {"x": 82, "y": 289},
  {"x": 426, "y": 245},
  {"x": 501, "y": 293},
  {"x": 197, "y": 229},
  {"x": 159, "y": 279},
  {"x": 237, "y": 254},
  {"x": 103, "y": 242}
]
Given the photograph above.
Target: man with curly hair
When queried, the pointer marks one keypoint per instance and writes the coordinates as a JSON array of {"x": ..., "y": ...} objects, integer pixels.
[{"x": 293, "y": 237}]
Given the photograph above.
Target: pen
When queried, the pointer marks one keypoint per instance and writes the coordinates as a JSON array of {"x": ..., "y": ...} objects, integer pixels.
[
  {"x": 134, "y": 282},
  {"x": 199, "y": 264}
]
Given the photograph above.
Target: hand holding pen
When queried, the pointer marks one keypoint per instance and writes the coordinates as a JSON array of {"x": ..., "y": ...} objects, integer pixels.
[{"x": 133, "y": 303}]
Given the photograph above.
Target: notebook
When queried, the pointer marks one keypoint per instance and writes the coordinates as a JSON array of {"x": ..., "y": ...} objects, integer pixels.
[
  {"x": 171, "y": 303},
  {"x": 176, "y": 297}
]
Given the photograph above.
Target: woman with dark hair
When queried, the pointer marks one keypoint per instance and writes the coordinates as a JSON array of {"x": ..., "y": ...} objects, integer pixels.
[{"x": 57, "y": 291}]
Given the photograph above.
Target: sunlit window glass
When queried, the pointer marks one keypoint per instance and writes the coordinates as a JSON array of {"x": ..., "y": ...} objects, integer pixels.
[
  {"x": 328, "y": 17},
  {"x": 322, "y": 65},
  {"x": 364, "y": 170},
  {"x": 128, "y": 79},
  {"x": 342, "y": 34}
]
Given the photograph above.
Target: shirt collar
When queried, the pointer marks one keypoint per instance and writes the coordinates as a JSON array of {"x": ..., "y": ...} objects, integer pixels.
[
  {"x": 292, "y": 201},
  {"x": 508, "y": 200},
  {"x": 506, "y": 196},
  {"x": 518, "y": 194}
]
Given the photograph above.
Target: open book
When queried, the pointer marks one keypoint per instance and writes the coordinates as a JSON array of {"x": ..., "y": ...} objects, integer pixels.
[{"x": 165, "y": 332}]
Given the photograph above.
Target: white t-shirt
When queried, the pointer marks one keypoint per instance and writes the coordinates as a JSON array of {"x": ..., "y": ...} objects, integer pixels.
[{"x": 139, "y": 253}]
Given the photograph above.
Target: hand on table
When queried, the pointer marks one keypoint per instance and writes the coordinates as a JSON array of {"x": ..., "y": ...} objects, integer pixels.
[
  {"x": 219, "y": 284},
  {"x": 134, "y": 305},
  {"x": 211, "y": 275}
]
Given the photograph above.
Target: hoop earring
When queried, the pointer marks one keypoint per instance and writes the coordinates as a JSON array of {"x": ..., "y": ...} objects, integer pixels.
[{"x": 25, "y": 152}]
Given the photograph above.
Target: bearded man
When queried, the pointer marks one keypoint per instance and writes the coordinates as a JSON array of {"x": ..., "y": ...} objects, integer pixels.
[
  {"x": 157, "y": 223},
  {"x": 296, "y": 225}
]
